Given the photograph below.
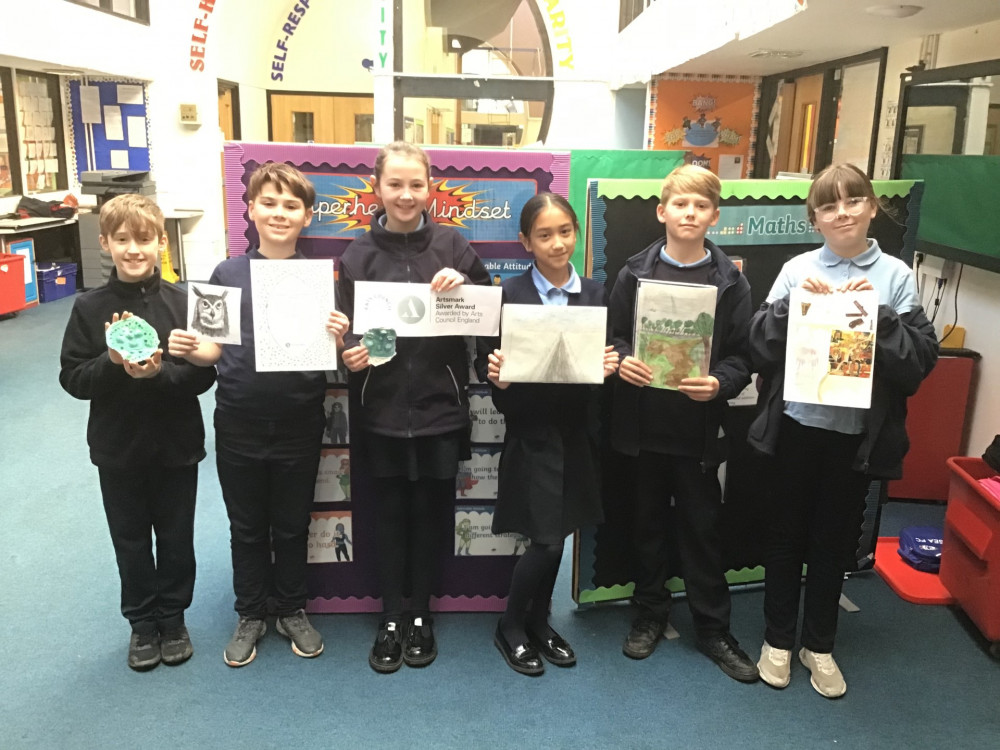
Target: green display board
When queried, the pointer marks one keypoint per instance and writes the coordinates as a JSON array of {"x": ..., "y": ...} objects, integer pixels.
[
  {"x": 591, "y": 164},
  {"x": 958, "y": 218}
]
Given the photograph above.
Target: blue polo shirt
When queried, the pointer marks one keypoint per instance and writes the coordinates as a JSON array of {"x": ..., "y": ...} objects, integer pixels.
[
  {"x": 552, "y": 294},
  {"x": 896, "y": 287}
]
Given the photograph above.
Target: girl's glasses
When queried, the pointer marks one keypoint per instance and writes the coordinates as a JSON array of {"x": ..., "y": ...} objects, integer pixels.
[{"x": 830, "y": 211}]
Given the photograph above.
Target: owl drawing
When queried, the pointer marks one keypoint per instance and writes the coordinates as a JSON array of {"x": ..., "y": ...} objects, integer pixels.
[{"x": 211, "y": 314}]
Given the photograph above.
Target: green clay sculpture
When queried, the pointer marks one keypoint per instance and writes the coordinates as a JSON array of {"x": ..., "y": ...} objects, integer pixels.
[
  {"x": 133, "y": 338},
  {"x": 381, "y": 345}
]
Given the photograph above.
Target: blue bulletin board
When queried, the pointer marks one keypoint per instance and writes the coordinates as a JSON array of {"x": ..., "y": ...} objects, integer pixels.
[{"x": 111, "y": 132}]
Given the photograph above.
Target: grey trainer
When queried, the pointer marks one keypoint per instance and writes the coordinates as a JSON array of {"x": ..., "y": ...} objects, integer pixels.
[
  {"x": 242, "y": 646},
  {"x": 826, "y": 677},
  {"x": 775, "y": 665},
  {"x": 306, "y": 640}
]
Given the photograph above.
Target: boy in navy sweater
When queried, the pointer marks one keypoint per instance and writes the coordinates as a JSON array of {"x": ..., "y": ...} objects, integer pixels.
[{"x": 675, "y": 435}]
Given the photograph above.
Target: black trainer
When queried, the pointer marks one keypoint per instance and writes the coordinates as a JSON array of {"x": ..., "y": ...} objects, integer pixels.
[
  {"x": 386, "y": 655},
  {"x": 419, "y": 646},
  {"x": 725, "y": 651},
  {"x": 642, "y": 639},
  {"x": 144, "y": 651},
  {"x": 175, "y": 646}
]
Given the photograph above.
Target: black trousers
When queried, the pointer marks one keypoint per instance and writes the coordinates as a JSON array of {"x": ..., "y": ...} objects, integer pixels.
[
  {"x": 411, "y": 531},
  {"x": 815, "y": 517},
  {"x": 140, "y": 502},
  {"x": 698, "y": 502},
  {"x": 267, "y": 471}
]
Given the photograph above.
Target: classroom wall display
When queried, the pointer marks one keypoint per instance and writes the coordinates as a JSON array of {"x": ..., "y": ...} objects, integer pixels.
[
  {"x": 110, "y": 128},
  {"x": 479, "y": 193},
  {"x": 713, "y": 119},
  {"x": 626, "y": 209}
]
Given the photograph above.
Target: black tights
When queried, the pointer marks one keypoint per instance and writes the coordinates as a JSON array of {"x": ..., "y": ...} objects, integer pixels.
[
  {"x": 409, "y": 534},
  {"x": 530, "y": 592}
]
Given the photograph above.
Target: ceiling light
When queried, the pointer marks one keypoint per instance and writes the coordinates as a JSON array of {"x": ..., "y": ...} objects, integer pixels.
[
  {"x": 780, "y": 53},
  {"x": 894, "y": 11}
]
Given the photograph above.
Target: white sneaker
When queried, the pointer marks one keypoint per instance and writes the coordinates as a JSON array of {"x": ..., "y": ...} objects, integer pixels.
[
  {"x": 826, "y": 677},
  {"x": 774, "y": 665}
]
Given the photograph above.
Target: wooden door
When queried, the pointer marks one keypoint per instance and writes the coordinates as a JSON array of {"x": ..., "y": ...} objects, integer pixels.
[{"x": 320, "y": 118}]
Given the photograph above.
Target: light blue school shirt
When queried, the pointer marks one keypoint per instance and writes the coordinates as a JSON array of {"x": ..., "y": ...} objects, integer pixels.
[
  {"x": 896, "y": 287},
  {"x": 552, "y": 294}
]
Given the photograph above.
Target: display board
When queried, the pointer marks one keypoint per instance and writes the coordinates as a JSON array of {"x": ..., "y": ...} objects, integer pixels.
[
  {"x": 480, "y": 194},
  {"x": 110, "y": 128},
  {"x": 953, "y": 221},
  {"x": 763, "y": 223}
]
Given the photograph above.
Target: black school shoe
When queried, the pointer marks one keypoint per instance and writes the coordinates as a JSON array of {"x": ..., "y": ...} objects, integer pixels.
[
  {"x": 386, "y": 655},
  {"x": 144, "y": 651},
  {"x": 555, "y": 649},
  {"x": 725, "y": 651},
  {"x": 419, "y": 646},
  {"x": 175, "y": 646},
  {"x": 643, "y": 637},
  {"x": 521, "y": 657}
]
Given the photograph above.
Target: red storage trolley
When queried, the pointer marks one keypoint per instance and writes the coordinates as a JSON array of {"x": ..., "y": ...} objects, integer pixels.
[
  {"x": 970, "y": 557},
  {"x": 11, "y": 283}
]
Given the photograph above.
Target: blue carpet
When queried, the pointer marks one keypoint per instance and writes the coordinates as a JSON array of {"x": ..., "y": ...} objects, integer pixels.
[{"x": 918, "y": 677}]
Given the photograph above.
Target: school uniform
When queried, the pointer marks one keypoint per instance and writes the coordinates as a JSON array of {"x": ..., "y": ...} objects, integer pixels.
[
  {"x": 678, "y": 442},
  {"x": 826, "y": 456},
  {"x": 549, "y": 483},
  {"x": 268, "y": 436},
  {"x": 146, "y": 437}
]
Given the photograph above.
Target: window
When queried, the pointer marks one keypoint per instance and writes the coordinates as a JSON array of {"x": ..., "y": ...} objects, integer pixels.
[
  {"x": 135, "y": 10},
  {"x": 8, "y": 140}
]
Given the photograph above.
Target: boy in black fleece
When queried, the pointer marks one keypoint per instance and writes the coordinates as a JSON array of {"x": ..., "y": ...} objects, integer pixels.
[
  {"x": 675, "y": 435},
  {"x": 145, "y": 430}
]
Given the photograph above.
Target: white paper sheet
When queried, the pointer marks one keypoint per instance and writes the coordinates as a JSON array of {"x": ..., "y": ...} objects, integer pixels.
[
  {"x": 136, "y": 126},
  {"x": 119, "y": 158},
  {"x": 214, "y": 312},
  {"x": 553, "y": 344},
  {"x": 292, "y": 300},
  {"x": 113, "y": 123},
  {"x": 413, "y": 310},
  {"x": 129, "y": 93},
  {"x": 829, "y": 357}
]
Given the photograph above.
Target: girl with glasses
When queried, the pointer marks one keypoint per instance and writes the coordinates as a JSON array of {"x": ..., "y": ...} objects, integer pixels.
[{"x": 826, "y": 456}]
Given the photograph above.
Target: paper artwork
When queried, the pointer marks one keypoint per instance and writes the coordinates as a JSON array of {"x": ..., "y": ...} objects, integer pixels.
[
  {"x": 414, "y": 310},
  {"x": 214, "y": 312},
  {"x": 133, "y": 338},
  {"x": 330, "y": 537},
  {"x": 553, "y": 344},
  {"x": 829, "y": 357},
  {"x": 333, "y": 479},
  {"x": 292, "y": 300},
  {"x": 335, "y": 406},
  {"x": 474, "y": 535},
  {"x": 477, "y": 478},
  {"x": 673, "y": 330},
  {"x": 381, "y": 345},
  {"x": 488, "y": 425}
]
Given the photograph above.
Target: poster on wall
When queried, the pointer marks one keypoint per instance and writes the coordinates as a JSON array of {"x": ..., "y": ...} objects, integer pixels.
[
  {"x": 474, "y": 535},
  {"x": 711, "y": 118},
  {"x": 479, "y": 194},
  {"x": 330, "y": 538}
]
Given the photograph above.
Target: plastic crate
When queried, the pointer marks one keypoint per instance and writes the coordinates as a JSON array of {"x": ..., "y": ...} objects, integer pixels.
[
  {"x": 55, "y": 281},
  {"x": 970, "y": 557},
  {"x": 11, "y": 283}
]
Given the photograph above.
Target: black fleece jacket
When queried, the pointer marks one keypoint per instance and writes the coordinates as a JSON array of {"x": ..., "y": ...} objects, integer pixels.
[
  {"x": 150, "y": 421},
  {"x": 730, "y": 362},
  {"x": 421, "y": 391},
  {"x": 906, "y": 350}
]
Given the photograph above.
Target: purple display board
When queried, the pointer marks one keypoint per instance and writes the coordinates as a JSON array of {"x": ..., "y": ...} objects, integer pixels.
[{"x": 480, "y": 193}]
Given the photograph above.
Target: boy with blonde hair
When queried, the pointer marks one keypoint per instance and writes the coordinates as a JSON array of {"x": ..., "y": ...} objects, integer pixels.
[
  {"x": 675, "y": 435},
  {"x": 145, "y": 430}
]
